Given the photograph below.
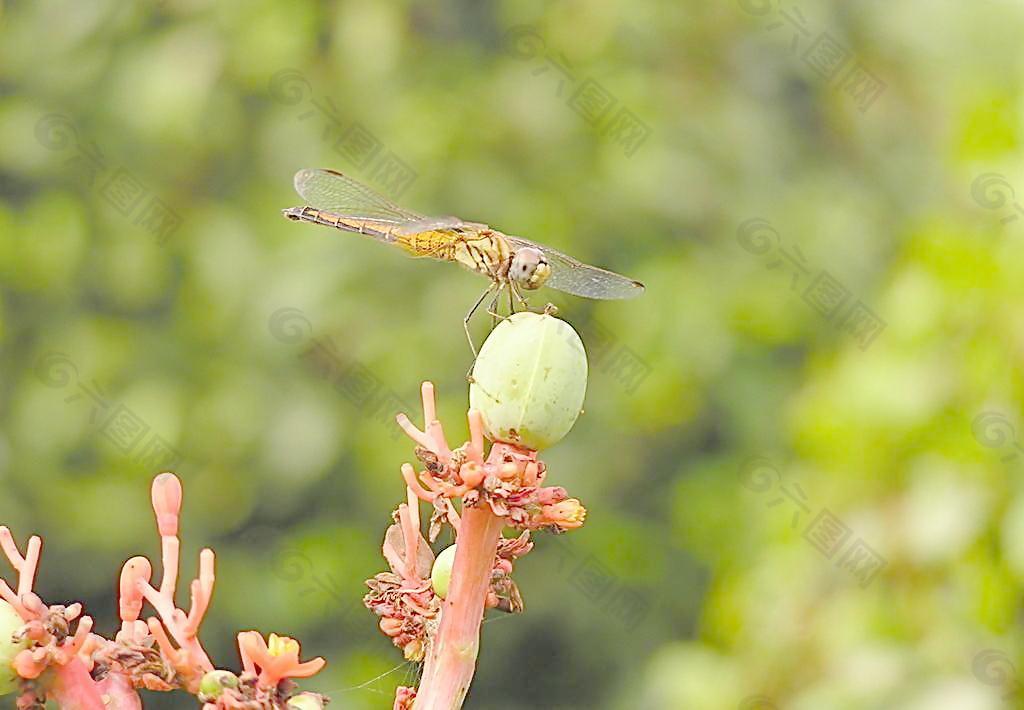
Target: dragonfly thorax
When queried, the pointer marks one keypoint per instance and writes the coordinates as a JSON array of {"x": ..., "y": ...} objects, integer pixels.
[{"x": 529, "y": 269}]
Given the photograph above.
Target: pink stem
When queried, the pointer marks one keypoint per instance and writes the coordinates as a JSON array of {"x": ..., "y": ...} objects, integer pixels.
[
  {"x": 118, "y": 691},
  {"x": 451, "y": 660},
  {"x": 409, "y": 474},
  {"x": 73, "y": 688},
  {"x": 410, "y": 516}
]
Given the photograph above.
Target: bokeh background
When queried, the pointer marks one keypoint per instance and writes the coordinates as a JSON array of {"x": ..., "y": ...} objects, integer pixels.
[{"x": 801, "y": 447}]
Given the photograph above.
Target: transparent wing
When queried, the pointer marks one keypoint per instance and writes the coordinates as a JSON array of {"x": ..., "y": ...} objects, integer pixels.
[
  {"x": 579, "y": 279},
  {"x": 431, "y": 224},
  {"x": 331, "y": 191}
]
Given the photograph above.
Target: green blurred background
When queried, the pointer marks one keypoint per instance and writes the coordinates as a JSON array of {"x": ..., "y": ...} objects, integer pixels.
[{"x": 800, "y": 451}]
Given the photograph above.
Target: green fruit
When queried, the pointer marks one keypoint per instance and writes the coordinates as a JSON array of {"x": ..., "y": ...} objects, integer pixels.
[
  {"x": 10, "y": 622},
  {"x": 441, "y": 574},
  {"x": 214, "y": 682},
  {"x": 305, "y": 701},
  {"x": 529, "y": 380}
]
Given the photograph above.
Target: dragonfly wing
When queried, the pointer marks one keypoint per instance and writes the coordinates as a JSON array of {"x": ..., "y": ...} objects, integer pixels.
[
  {"x": 579, "y": 279},
  {"x": 334, "y": 192},
  {"x": 430, "y": 224}
]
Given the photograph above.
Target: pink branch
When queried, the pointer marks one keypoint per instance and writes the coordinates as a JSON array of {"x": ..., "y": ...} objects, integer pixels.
[
  {"x": 248, "y": 645},
  {"x": 409, "y": 514},
  {"x": 414, "y": 509},
  {"x": 189, "y": 659},
  {"x": 202, "y": 591},
  {"x": 415, "y": 434},
  {"x": 411, "y": 538},
  {"x": 136, "y": 572},
  {"x": 475, "y": 450},
  {"x": 166, "y": 647},
  {"x": 166, "y": 496},
  {"x": 409, "y": 474},
  {"x": 432, "y": 436},
  {"x": 24, "y": 566},
  {"x": 71, "y": 646}
]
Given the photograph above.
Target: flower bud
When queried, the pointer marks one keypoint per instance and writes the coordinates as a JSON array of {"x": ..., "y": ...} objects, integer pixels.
[
  {"x": 567, "y": 514},
  {"x": 214, "y": 683},
  {"x": 390, "y": 626},
  {"x": 305, "y": 701},
  {"x": 10, "y": 622},
  {"x": 414, "y": 651},
  {"x": 441, "y": 574},
  {"x": 529, "y": 380}
]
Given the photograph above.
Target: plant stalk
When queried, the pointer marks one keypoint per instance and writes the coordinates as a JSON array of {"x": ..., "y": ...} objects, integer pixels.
[
  {"x": 451, "y": 658},
  {"x": 73, "y": 688}
]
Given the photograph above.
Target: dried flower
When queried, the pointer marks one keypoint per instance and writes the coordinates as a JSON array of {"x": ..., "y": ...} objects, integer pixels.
[
  {"x": 403, "y": 598},
  {"x": 405, "y": 696}
]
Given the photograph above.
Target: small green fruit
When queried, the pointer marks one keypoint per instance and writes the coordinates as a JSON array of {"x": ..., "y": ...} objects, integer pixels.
[
  {"x": 10, "y": 622},
  {"x": 441, "y": 574},
  {"x": 529, "y": 380},
  {"x": 214, "y": 683},
  {"x": 305, "y": 701}
]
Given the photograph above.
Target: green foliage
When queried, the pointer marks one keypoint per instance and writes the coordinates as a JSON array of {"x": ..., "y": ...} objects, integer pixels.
[{"x": 692, "y": 585}]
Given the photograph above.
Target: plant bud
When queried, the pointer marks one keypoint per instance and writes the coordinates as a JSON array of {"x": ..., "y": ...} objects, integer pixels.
[
  {"x": 441, "y": 574},
  {"x": 305, "y": 701},
  {"x": 529, "y": 380},
  {"x": 214, "y": 683},
  {"x": 10, "y": 622}
]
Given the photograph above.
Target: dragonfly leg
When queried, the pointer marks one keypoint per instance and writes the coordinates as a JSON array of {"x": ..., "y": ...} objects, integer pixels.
[
  {"x": 492, "y": 310},
  {"x": 465, "y": 322},
  {"x": 514, "y": 290}
]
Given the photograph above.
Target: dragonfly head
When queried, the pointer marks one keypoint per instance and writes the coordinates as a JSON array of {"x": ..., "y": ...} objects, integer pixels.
[{"x": 529, "y": 269}]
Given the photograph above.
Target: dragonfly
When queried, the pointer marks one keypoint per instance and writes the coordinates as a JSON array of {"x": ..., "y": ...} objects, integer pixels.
[{"x": 334, "y": 199}]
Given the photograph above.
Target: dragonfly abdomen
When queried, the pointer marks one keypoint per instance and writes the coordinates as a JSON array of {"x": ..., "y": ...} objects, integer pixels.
[
  {"x": 437, "y": 245},
  {"x": 346, "y": 224}
]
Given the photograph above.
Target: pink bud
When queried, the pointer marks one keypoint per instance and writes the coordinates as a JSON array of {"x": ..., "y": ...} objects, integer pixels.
[
  {"x": 471, "y": 474},
  {"x": 553, "y": 494},
  {"x": 509, "y": 471},
  {"x": 35, "y": 630},
  {"x": 130, "y": 595},
  {"x": 166, "y": 497},
  {"x": 567, "y": 515},
  {"x": 26, "y": 666},
  {"x": 390, "y": 626},
  {"x": 34, "y": 604}
]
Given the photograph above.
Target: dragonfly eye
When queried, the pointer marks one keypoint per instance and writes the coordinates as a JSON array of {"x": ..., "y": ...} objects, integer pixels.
[{"x": 529, "y": 268}]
